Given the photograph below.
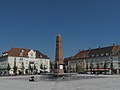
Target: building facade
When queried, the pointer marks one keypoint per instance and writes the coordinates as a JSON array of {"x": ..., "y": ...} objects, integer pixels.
[
  {"x": 105, "y": 60},
  {"x": 23, "y": 61}
]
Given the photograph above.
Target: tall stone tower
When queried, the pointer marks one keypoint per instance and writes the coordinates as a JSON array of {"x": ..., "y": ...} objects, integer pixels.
[{"x": 59, "y": 57}]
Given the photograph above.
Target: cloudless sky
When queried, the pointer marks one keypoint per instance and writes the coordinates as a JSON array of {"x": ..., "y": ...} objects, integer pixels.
[{"x": 83, "y": 24}]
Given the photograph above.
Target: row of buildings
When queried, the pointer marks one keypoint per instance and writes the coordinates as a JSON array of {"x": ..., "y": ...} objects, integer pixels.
[
  {"x": 101, "y": 60},
  {"x": 23, "y": 61}
]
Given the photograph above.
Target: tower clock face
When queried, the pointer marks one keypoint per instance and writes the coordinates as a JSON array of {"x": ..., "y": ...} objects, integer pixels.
[{"x": 31, "y": 54}]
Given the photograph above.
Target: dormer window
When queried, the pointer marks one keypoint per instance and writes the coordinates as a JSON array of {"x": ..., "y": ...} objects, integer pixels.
[
  {"x": 4, "y": 54},
  {"x": 21, "y": 52},
  {"x": 40, "y": 56}
]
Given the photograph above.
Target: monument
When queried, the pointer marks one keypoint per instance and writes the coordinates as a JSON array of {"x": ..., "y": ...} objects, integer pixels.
[
  {"x": 58, "y": 56},
  {"x": 58, "y": 71}
]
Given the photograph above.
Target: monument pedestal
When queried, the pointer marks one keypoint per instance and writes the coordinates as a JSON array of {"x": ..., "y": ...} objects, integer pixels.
[{"x": 61, "y": 69}]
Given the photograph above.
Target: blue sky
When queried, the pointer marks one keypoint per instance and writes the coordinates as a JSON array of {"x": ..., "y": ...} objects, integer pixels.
[{"x": 83, "y": 24}]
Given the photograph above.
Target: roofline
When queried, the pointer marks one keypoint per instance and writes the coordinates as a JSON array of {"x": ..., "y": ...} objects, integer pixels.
[{"x": 87, "y": 51}]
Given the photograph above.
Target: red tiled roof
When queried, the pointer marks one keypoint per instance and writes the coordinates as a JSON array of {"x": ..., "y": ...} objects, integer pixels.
[
  {"x": 82, "y": 54},
  {"x": 116, "y": 48},
  {"x": 16, "y": 52},
  {"x": 95, "y": 52},
  {"x": 99, "y": 51}
]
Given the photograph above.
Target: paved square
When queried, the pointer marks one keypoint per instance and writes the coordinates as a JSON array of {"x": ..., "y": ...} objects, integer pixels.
[{"x": 22, "y": 83}]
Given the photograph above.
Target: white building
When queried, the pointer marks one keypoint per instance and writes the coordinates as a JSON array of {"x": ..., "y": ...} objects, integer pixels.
[
  {"x": 102, "y": 60},
  {"x": 23, "y": 61}
]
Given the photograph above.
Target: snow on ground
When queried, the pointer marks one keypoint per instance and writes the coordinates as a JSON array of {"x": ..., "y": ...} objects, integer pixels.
[{"x": 111, "y": 82}]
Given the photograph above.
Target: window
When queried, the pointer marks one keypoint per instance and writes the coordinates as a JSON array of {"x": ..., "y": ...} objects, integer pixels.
[
  {"x": 97, "y": 55},
  {"x": 21, "y": 52},
  {"x": 118, "y": 58},
  {"x": 102, "y": 54},
  {"x": 92, "y": 55},
  {"x": 40, "y": 56},
  {"x": 107, "y": 54}
]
